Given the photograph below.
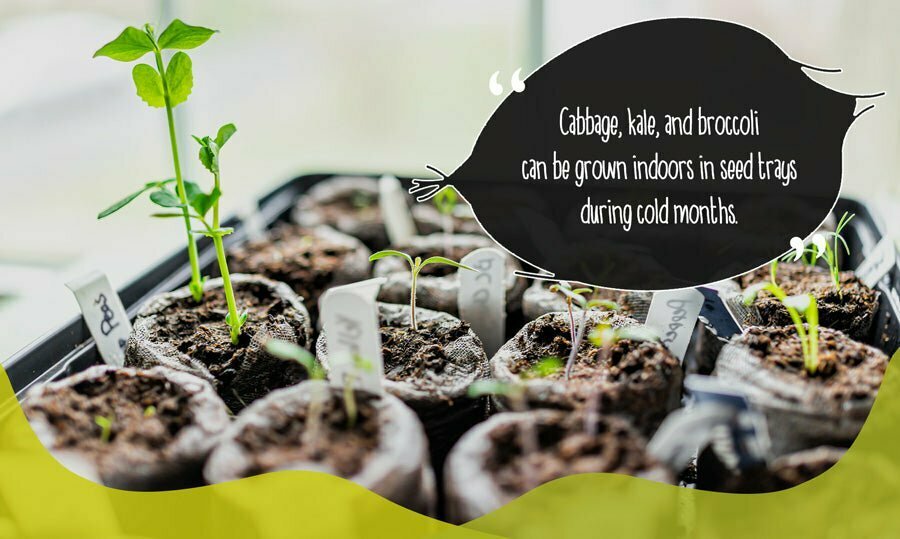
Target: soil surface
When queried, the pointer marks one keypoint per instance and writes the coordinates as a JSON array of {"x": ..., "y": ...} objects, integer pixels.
[
  {"x": 566, "y": 449},
  {"x": 851, "y": 310},
  {"x": 419, "y": 357},
  {"x": 200, "y": 332},
  {"x": 293, "y": 255},
  {"x": 279, "y": 441},
  {"x": 126, "y": 400},
  {"x": 847, "y": 369},
  {"x": 357, "y": 214}
]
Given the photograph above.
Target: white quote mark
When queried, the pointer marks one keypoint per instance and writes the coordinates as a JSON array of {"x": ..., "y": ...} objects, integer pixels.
[{"x": 517, "y": 85}]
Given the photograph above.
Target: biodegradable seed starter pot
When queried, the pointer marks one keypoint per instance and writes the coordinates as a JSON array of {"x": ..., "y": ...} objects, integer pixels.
[
  {"x": 174, "y": 331},
  {"x": 309, "y": 260},
  {"x": 128, "y": 428},
  {"x": 430, "y": 369},
  {"x": 350, "y": 205},
  {"x": 488, "y": 467},
  {"x": 640, "y": 380},
  {"x": 803, "y": 409},
  {"x": 384, "y": 451},
  {"x": 438, "y": 285}
]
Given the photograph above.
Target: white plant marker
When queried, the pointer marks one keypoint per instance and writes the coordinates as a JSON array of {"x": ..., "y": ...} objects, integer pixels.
[
  {"x": 398, "y": 219},
  {"x": 878, "y": 263},
  {"x": 482, "y": 296},
  {"x": 673, "y": 315},
  {"x": 104, "y": 315},
  {"x": 350, "y": 322}
]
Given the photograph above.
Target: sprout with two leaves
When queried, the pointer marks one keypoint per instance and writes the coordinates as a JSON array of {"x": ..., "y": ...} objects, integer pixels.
[
  {"x": 820, "y": 248},
  {"x": 166, "y": 85},
  {"x": 575, "y": 297},
  {"x": 515, "y": 393},
  {"x": 415, "y": 266},
  {"x": 798, "y": 307}
]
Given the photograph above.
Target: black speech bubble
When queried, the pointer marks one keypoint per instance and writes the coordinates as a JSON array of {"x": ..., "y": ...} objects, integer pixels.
[{"x": 666, "y": 67}]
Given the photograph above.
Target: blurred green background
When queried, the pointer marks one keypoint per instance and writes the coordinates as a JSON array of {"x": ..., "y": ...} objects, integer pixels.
[{"x": 375, "y": 86}]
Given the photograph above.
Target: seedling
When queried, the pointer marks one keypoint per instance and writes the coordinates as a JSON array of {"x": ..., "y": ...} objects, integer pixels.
[
  {"x": 795, "y": 305},
  {"x": 291, "y": 352},
  {"x": 515, "y": 393},
  {"x": 445, "y": 202},
  {"x": 575, "y": 298},
  {"x": 165, "y": 86},
  {"x": 820, "y": 248},
  {"x": 415, "y": 267},
  {"x": 150, "y": 411},
  {"x": 105, "y": 424}
]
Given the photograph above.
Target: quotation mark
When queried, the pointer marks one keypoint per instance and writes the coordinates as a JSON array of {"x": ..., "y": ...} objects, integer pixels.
[{"x": 515, "y": 81}]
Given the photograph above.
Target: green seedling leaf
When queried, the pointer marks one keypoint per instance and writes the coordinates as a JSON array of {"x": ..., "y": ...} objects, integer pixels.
[
  {"x": 127, "y": 200},
  {"x": 388, "y": 252},
  {"x": 362, "y": 363},
  {"x": 543, "y": 368},
  {"x": 481, "y": 388},
  {"x": 225, "y": 133},
  {"x": 292, "y": 352},
  {"x": 750, "y": 293},
  {"x": 800, "y": 302},
  {"x": 165, "y": 198},
  {"x": 130, "y": 45},
  {"x": 602, "y": 335},
  {"x": 447, "y": 261},
  {"x": 105, "y": 424},
  {"x": 637, "y": 333},
  {"x": 607, "y": 304},
  {"x": 202, "y": 202},
  {"x": 149, "y": 85},
  {"x": 179, "y": 35},
  {"x": 179, "y": 78},
  {"x": 446, "y": 200},
  {"x": 150, "y": 411}
]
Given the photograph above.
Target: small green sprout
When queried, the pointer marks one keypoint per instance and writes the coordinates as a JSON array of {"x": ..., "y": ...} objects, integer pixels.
[
  {"x": 445, "y": 202},
  {"x": 547, "y": 366},
  {"x": 292, "y": 352},
  {"x": 415, "y": 267},
  {"x": 820, "y": 248},
  {"x": 795, "y": 305},
  {"x": 576, "y": 297},
  {"x": 363, "y": 365},
  {"x": 105, "y": 423},
  {"x": 165, "y": 86},
  {"x": 150, "y": 411}
]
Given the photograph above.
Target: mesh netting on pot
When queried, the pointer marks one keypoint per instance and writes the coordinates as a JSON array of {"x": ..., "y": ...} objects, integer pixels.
[
  {"x": 804, "y": 410},
  {"x": 385, "y": 451},
  {"x": 640, "y": 380},
  {"x": 430, "y": 370},
  {"x": 162, "y": 425},
  {"x": 173, "y": 330},
  {"x": 487, "y": 468},
  {"x": 538, "y": 300},
  {"x": 438, "y": 285},
  {"x": 309, "y": 260}
]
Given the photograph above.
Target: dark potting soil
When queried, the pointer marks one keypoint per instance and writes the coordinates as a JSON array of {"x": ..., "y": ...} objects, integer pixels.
[
  {"x": 280, "y": 440},
  {"x": 136, "y": 429},
  {"x": 293, "y": 255},
  {"x": 419, "y": 357},
  {"x": 847, "y": 369},
  {"x": 199, "y": 331},
  {"x": 566, "y": 449},
  {"x": 633, "y": 363},
  {"x": 851, "y": 310}
]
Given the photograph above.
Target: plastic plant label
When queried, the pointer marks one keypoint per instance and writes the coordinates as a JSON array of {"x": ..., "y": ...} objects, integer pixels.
[
  {"x": 673, "y": 314},
  {"x": 482, "y": 296},
  {"x": 878, "y": 263},
  {"x": 715, "y": 310},
  {"x": 104, "y": 315},
  {"x": 398, "y": 220},
  {"x": 350, "y": 322}
]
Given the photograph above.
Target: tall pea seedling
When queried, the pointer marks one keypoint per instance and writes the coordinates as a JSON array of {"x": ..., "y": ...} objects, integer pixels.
[
  {"x": 163, "y": 86},
  {"x": 415, "y": 267},
  {"x": 798, "y": 307}
]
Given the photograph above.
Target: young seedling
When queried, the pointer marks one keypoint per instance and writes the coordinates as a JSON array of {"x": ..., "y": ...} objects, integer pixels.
[
  {"x": 795, "y": 305},
  {"x": 291, "y": 352},
  {"x": 576, "y": 298},
  {"x": 604, "y": 337},
  {"x": 820, "y": 248},
  {"x": 515, "y": 393},
  {"x": 165, "y": 86},
  {"x": 105, "y": 424},
  {"x": 150, "y": 411},
  {"x": 415, "y": 267},
  {"x": 445, "y": 202}
]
